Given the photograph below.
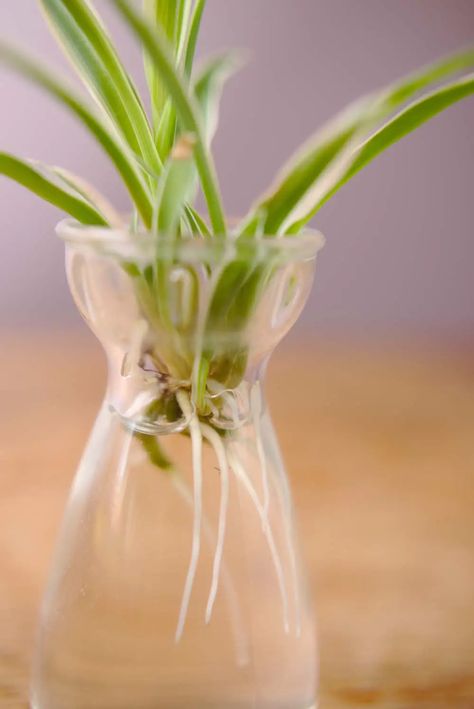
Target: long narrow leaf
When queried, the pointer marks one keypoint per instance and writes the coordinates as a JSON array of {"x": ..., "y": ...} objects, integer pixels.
[
  {"x": 162, "y": 13},
  {"x": 90, "y": 68},
  {"x": 36, "y": 179},
  {"x": 86, "y": 41},
  {"x": 90, "y": 194},
  {"x": 194, "y": 28},
  {"x": 196, "y": 223},
  {"x": 172, "y": 17},
  {"x": 184, "y": 16},
  {"x": 32, "y": 70},
  {"x": 186, "y": 109},
  {"x": 405, "y": 122},
  {"x": 207, "y": 91},
  {"x": 166, "y": 130},
  {"x": 209, "y": 85},
  {"x": 301, "y": 173},
  {"x": 176, "y": 185}
]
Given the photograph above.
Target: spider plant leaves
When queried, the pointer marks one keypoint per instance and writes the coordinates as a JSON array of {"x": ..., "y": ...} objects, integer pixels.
[
  {"x": 85, "y": 41},
  {"x": 176, "y": 186},
  {"x": 302, "y": 172},
  {"x": 405, "y": 122},
  {"x": 172, "y": 16},
  {"x": 209, "y": 85},
  {"x": 195, "y": 223},
  {"x": 187, "y": 111},
  {"x": 43, "y": 182},
  {"x": 165, "y": 14},
  {"x": 124, "y": 162},
  {"x": 195, "y": 26},
  {"x": 207, "y": 91},
  {"x": 84, "y": 189}
]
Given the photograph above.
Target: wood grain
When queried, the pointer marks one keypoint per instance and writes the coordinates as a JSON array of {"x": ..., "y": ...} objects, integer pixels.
[{"x": 380, "y": 446}]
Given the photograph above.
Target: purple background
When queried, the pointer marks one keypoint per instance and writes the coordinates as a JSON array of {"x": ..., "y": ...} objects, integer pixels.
[{"x": 400, "y": 243}]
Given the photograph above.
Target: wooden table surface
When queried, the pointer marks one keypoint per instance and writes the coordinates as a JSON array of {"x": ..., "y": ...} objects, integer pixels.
[{"x": 383, "y": 439}]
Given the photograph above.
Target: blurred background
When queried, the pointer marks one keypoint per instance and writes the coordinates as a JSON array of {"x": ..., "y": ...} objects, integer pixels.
[
  {"x": 399, "y": 248},
  {"x": 373, "y": 395}
]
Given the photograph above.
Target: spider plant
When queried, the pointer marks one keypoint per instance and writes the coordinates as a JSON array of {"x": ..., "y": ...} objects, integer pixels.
[{"x": 164, "y": 158}]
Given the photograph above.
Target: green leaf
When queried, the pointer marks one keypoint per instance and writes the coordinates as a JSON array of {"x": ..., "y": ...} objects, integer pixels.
[
  {"x": 196, "y": 223},
  {"x": 302, "y": 172},
  {"x": 44, "y": 183},
  {"x": 176, "y": 186},
  {"x": 85, "y": 41},
  {"x": 209, "y": 85},
  {"x": 32, "y": 70},
  {"x": 91, "y": 195},
  {"x": 166, "y": 132},
  {"x": 187, "y": 111},
  {"x": 405, "y": 122},
  {"x": 208, "y": 91},
  {"x": 155, "y": 452},
  {"x": 172, "y": 16},
  {"x": 184, "y": 16},
  {"x": 193, "y": 34},
  {"x": 163, "y": 13}
]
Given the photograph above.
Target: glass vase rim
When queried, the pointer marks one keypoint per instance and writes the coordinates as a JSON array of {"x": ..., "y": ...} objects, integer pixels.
[{"x": 123, "y": 243}]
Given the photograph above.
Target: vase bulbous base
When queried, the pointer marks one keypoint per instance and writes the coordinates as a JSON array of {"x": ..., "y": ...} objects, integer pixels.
[{"x": 149, "y": 605}]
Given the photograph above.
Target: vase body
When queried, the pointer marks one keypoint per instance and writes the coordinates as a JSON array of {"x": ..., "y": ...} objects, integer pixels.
[{"x": 177, "y": 580}]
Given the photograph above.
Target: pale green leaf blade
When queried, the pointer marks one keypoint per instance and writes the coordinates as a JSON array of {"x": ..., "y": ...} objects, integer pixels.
[
  {"x": 163, "y": 13},
  {"x": 196, "y": 224},
  {"x": 166, "y": 131},
  {"x": 300, "y": 174},
  {"x": 184, "y": 17},
  {"x": 195, "y": 26},
  {"x": 185, "y": 43},
  {"x": 172, "y": 17},
  {"x": 90, "y": 68},
  {"x": 208, "y": 90},
  {"x": 32, "y": 70},
  {"x": 209, "y": 85},
  {"x": 91, "y": 195},
  {"x": 35, "y": 178},
  {"x": 408, "y": 120},
  {"x": 176, "y": 186},
  {"x": 86, "y": 42},
  {"x": 188, "y": 113}
]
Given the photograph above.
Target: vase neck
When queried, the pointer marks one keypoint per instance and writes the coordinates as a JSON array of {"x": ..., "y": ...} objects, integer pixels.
[{"x": 150, "y": 400}]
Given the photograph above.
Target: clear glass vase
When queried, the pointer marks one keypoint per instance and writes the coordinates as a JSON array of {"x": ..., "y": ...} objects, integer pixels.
[{"x": 177, "y": 580}]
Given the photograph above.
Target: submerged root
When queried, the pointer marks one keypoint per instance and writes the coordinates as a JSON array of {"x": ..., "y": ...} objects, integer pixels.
[
  {"x": 257, "y": 409},
  {"x": 242, "y": 476},
  {"x": 241, "y": 641},
  {"x": 196, "y": 441},
  {"x": 230, "y": 460},
  {"x": 283, "y": 494},
  {"x": 220, "y": 452}
]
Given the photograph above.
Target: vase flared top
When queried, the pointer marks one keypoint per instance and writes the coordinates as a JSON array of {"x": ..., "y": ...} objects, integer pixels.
[{"x": 199, "y": 315}]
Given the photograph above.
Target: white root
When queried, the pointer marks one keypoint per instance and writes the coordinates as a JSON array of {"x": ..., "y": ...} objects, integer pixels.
[
  {"x": 196, "y": 441},
  {"x": 227, "y": 460},
  {"x": 213, "y": 438},
  {"x": 257, "y": 409},
  {"x": 283, "y": 493},
  {"x": 241, "y": 642},
  {"x": 241, "y": 474}
]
